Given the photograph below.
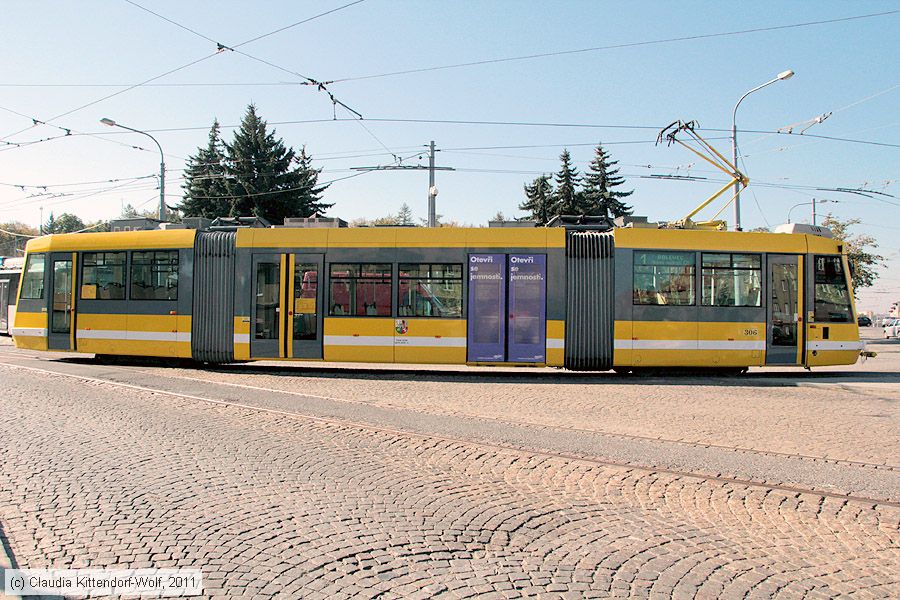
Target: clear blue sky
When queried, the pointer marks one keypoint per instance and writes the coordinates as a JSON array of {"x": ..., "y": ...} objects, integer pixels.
[{"x": 60, "y": 56}]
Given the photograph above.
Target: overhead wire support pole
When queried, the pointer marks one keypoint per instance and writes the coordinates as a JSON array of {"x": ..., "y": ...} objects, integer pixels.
[{"x": 432, "y": 189}]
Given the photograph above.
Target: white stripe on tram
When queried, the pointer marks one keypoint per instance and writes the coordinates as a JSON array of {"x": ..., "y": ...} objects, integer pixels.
[
  {"x": 689, "y": 344},
  {"x": 142, "y": 336},
  {"x": 825, "y": 345},
  {"x": 29, "y": 331},
  {"x": 390, "y": 340}
]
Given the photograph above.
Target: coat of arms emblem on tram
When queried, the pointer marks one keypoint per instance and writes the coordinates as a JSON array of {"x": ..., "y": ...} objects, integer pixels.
[{"x": 401, "y": 326}]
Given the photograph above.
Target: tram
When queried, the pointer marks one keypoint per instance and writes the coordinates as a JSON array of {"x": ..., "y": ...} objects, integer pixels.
[
  {"x": 622, "y": 299},
  {"x": 10, "y": 271}
]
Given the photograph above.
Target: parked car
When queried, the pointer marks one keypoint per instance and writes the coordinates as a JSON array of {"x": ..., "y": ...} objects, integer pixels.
[
  {"x": 864, "y": 321},
  {"x": 892, "y": 329}
]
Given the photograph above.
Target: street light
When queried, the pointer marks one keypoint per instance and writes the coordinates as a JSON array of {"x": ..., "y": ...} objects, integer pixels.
[
  {"x": 162, "y": 165},
  {"x": 734, "y": 148},
  {"x": 814, "y": 202}
]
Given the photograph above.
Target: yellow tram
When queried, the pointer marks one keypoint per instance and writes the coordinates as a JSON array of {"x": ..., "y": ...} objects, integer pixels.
[{"x": 580, "y": 299}]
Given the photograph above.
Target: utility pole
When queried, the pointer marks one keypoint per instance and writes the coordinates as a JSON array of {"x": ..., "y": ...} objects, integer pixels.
[
  {"x": 814, "y": 212},
  {"x": 432, "y": 189}
]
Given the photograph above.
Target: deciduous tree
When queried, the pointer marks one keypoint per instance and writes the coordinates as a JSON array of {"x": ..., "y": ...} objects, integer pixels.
[
  {"x": 860, "y": 251},
  {"x": 64, "y": 223},
  {"x": 13, "y": 237}
]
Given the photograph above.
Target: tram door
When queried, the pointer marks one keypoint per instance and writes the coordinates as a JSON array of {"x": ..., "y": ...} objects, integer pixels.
[
  {"x": 784, "y": 339},
  {"x": 61, "y": 300},
  {"x": 507, "y": 308},
  {"x": 304, "y": 307},
  {"x": 266, "y": 320},
  {"x": 286, "y": 306}
]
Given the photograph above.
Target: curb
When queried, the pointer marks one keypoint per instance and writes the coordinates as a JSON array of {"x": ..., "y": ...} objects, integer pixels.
[{"x": 5, "y": 563}]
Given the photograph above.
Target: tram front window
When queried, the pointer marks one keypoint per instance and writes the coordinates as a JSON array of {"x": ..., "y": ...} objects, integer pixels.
[{"x": 832, "y": 302}]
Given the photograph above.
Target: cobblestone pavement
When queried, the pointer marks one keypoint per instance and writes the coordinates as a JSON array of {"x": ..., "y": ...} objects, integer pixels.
[
  {"x": 852, "y": 418},
  {"x": 276, "y": 505}
]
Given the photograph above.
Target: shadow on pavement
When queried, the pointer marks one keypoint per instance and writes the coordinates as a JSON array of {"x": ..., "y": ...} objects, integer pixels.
[{"x": 669, "y": 376}]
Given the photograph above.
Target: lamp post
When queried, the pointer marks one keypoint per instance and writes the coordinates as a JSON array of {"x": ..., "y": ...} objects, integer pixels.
[
  {"x": 734, "y": 147},
  {"x": 814, "y": 202},
  {"x": 162, "y": 165}
]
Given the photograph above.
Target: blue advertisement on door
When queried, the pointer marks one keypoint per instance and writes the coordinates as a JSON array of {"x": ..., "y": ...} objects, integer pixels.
[
  {"x": 527, "y": 329},
  {"x": 487, "y": 308}
]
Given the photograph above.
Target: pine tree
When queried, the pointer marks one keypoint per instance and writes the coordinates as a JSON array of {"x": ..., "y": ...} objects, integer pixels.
[
  {"x": 600, "y": 197},
  {"x": 267, "y": 179},
  {"x": 404, "y": 215},
  {"x": 541, "y": 200},
  {"x": 568, "y": 199},
  {"x": 205, "y": 192}
]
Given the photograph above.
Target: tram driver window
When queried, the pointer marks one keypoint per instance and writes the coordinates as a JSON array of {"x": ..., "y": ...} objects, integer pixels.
[
  {"x": 430, "y": 290},
  {"x": 732, "y": 280},
  {"x": 154, "y": 275},
  {"x": 103, "y": 276},
  {"x": 33, "y": 281},
  {"x": 832, "y": 294},
  {"x": 664, "y": 278},
  {"x": 360, "y": 290}
]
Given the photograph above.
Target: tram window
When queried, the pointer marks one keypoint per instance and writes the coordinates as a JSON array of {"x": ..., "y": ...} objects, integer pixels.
[
  {"x": 154, "y": 275},
  {"x": 664, "y": 278},
  {"x": 33, "y": 281},
  {"x": 731, "y": 280},
  {"x": 103, "y": 276},
  {"x": 832, "y": 300},
  {"x": 430, "y": 290},
  {"x": 360, "y": 290}
]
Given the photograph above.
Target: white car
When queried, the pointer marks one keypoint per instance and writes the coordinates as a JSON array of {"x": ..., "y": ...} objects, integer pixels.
[{"x": 892, "y": 329}]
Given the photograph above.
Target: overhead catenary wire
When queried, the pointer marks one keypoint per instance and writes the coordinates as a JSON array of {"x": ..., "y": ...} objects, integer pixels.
[
  {"x": 451, "y": 66},
  {"x": 510, "y": 124},
  {"x": 618, "y": 46},
  {"x": 235, "y": 48},
  {"x": 52, "y": 185},
  {"x": 175, "y": 70},
  {"x": 321, "y": 86},
  {"x": 116, "y": 93}
]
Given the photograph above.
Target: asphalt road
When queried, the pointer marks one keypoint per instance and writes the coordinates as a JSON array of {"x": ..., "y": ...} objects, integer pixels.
[{"x": 337, "y": 482}]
